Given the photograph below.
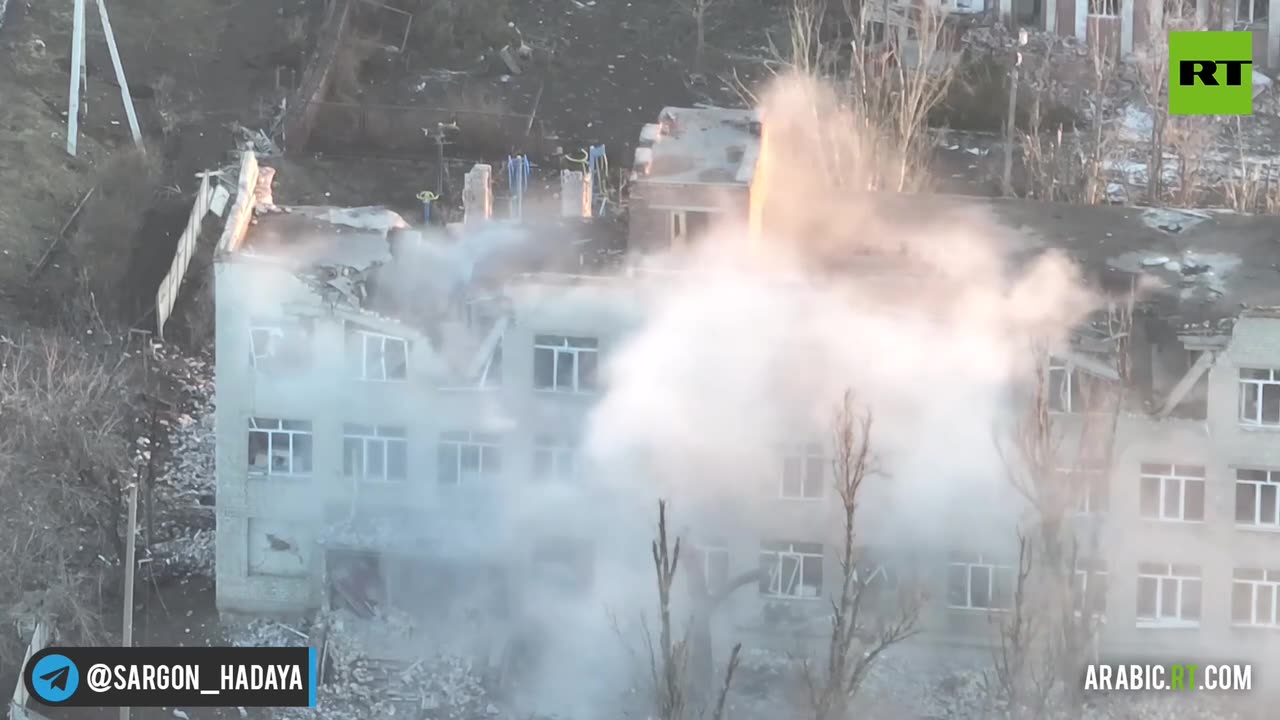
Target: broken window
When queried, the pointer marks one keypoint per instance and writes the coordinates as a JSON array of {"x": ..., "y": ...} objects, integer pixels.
[
  {"x": 1089, "y": 487},
  {"x": 1168, "y": 595},
  {"x": 377, "y": 357},
  {"x": 1066, "y": 391},
  {"x": 1091, "y": 591},
  {"x": 279, "y": 447},
  {"x": 1259, "y": 397},
  {"x": 686, "y": 225},
  {"x": 1104, "y": 8},
  {"x": 491, "y": 374},
  {"x": 375, "y": 452},
  {"x": 803, "y": 475},
  {"x": 1258, "y": 498},
  {"x": 712, "y": 558},
  {"x": 564, "y": 364},
  {"x": 356, "y": 582},
  {"x": 1251, "y": 11},
  {"x": 1172, "y": 492},
  {"x": 976, "y": 582},
  {"x": 555, "y": 459},
  {"x": 467, "y": 457},
  {"x": 276, "y": 346},
  {"x": 565, "y": 562},
  {"x": 791, "y": 569},
  {"x": 1255, "y": 598}
]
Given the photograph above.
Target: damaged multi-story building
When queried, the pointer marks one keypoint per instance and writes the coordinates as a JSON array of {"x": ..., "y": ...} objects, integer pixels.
[{"x": 389, "y": 403}]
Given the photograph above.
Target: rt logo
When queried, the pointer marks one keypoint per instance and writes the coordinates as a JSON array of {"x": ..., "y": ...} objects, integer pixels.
[
  {"x": 53, "y": 679},
  {"x": 1210, "y": 73}
]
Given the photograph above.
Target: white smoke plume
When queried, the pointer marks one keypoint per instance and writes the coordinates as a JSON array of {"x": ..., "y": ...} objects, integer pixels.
[{"x": 915, "y": 306}]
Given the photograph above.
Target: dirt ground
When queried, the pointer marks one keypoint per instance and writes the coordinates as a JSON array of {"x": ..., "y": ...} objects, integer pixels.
[{"x": 194, "y": 67}]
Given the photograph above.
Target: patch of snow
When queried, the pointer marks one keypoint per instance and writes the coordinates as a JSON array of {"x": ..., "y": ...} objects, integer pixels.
[
  {"x": 1135, "y": 123},
  {"x": 1170, "y": 220}
]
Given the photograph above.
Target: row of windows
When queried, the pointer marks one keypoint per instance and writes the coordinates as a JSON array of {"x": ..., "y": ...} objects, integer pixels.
[
  {"x": 560, "y": 363},
  {"x": 1259, "y": 404},
  {"x": 284, "y": 447},
  {"x": 1168, "y": 594},
  {"x": 380, "y": 452}
]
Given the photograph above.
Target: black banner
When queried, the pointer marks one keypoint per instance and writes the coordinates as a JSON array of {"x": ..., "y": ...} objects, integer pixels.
[{"x": 173, "y": 676}]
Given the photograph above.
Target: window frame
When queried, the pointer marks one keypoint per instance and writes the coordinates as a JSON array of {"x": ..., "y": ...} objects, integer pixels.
[
  {"x": 1175, "y": 475},
  {"x": 1169, "y": 573},
  {"x": 1097, "y": 609},
  {"x": 559, "y": 452},
  {"x": 263, "y": 426},
  {"x": 1269, "y": 579},
  {"x": 1097, "y": 488},
  {"x": 382, "y": 436},
  {"x": 977, "y": 561},
  {"x": 576, "y": 347},
  {"x": 774, "y": 557},
  {"x": 386, "y": 371},
  {"x": 1258, "y": 419},
  {"x": 1253, "y": 17},
  {"x": 486, "y": 445},
  {"x": 1111, "y": 8},
  {"x": 1257, "y": 488},
  {"x": 807, "y": 456}
]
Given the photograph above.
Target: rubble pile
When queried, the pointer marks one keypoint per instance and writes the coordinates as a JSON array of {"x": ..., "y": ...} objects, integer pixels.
[
  {"x": 354, "y": 684},
  {"x": 266, "y": 633},
  {"x": 185, "y": 485}
]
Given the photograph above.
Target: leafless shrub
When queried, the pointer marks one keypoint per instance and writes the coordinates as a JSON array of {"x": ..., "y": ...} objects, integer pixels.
[
  {"x": 1250, "y": 186},
  {"x": 1190, "y": 138},
  {"x": 857, "y": 637},
  {"x": 64, "y": 461}
]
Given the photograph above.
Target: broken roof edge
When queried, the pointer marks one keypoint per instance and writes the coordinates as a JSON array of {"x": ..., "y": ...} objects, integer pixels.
[{"x": 241, "y": 212}]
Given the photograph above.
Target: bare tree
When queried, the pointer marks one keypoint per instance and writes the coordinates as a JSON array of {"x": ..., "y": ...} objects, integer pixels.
[
  {"x": 896, "y": 80},
  {"x": 1102, "y": 65},
  {"x": 698, "y": 9},
  {"x": 855, "y": 643},
  {"x": 1052, "y": 624},
  {"x": 676, "y": 696}
]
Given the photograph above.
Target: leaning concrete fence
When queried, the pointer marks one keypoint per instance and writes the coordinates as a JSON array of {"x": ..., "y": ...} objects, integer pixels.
[
  {"x": 237, "y": 222},
  {"x": 18, "y": 709},
  {"x": 167, "y": 294}
]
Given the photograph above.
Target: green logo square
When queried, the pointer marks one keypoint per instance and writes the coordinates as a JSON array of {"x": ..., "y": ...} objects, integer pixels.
[{"x": 1210, "y": 73}]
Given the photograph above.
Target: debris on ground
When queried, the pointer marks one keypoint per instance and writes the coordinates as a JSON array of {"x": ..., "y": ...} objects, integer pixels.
[
  {"x": 184, "y": 483},
  {"x": 354, "y": 684}
]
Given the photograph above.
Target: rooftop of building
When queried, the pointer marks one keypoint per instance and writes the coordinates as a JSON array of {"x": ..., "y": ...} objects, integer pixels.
[
  {"x": 699, "y": 145},
  {"x": 1198, "y": 266}
]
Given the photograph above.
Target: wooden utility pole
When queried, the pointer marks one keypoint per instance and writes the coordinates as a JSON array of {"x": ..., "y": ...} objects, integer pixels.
[
  {"x": 130, "y": 561},
  {"x": 125, "y": 97},
  {"x": 77, "y": 65},
  {"x": 1006, "y": 178}
]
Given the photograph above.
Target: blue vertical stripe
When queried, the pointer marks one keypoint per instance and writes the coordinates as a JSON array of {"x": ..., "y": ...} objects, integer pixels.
[{"x": 314, "y": 675}]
